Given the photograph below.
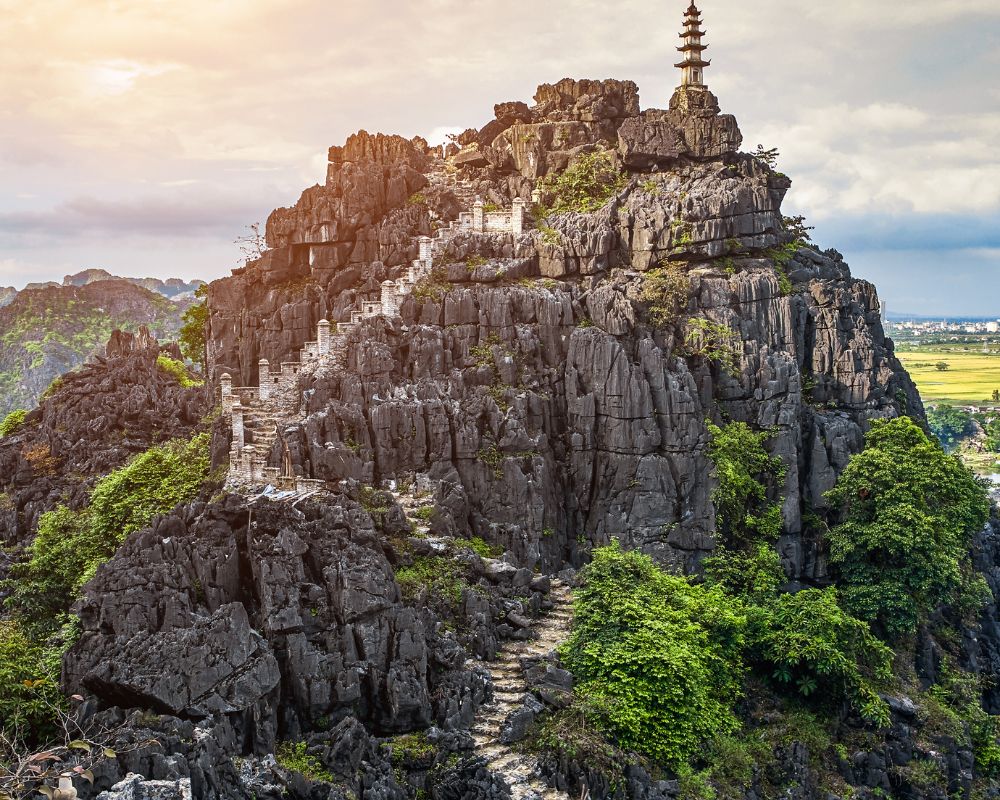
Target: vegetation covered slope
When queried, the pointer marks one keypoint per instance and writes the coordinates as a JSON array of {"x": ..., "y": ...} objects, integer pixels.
[{"x": 46, "y": 332}]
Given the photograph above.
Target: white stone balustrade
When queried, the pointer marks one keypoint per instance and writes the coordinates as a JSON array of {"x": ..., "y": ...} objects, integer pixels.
[
  {"x": 264, "y": 380},
  {"x": 281, "y": 389}
]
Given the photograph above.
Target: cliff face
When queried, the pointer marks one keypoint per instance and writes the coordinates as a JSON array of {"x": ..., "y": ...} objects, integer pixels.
[
  {"x": 545, "y": 356},
  {"x": 536, "y": 396}
]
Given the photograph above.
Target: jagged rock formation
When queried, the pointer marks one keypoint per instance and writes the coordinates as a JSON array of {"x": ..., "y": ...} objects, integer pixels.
[
  {"x": 48, "y": 331},
  {"x": 113, "y": 407},
  {"x": 532, "y": 394}
]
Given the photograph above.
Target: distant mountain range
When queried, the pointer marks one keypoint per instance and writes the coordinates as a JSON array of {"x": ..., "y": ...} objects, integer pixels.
[
  {"x": 172, "y": 287},
  {"x": 50, "y": 328}
]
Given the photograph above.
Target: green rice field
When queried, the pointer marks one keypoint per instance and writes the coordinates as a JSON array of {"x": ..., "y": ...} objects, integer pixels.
[{"x": 971, "y": 376}]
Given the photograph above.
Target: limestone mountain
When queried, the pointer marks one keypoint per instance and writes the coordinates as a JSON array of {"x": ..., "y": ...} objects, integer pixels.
[
  {"x": 48, "y": 331},
  {"x": 459, "y": 383}
]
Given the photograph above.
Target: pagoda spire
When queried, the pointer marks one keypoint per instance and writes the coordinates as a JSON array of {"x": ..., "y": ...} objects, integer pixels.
[{"x": 693, "y": 65}]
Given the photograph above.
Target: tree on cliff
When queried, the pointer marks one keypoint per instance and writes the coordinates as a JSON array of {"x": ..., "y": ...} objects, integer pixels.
[
  {"x": 192, "y": 335},
  {"x": 910, "y": 512}
]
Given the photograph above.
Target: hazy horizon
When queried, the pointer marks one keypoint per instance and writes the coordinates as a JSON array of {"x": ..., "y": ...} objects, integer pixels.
[{"x": 144, "y": 140}]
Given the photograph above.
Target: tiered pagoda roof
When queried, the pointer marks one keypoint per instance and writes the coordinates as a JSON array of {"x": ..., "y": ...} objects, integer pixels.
[{"x": 691, "y": 36}]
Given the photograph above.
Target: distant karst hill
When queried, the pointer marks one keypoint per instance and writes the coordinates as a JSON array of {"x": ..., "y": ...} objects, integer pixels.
[
  {"x": 173, "y": 288},
  {"x": 50, "y": 330}
]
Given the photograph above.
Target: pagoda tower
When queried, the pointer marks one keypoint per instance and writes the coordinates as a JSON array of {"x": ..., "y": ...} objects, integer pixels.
[{"x": 693, "y": 66}]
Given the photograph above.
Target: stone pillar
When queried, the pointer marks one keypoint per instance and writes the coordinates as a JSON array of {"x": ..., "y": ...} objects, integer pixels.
[
  {"x": 226, "y": 381},
  {"x": 536, "y": 195},
  {"x": 389, "y": 298},
  {"x": 264, "y": 379},
  {"x": 238, "y": 425},
  {"x": 323, "y": 337},
  {"x": 427, "y": 250},
  {"x": 517, "y": 217},
  {"x": 477, "y": 215}
]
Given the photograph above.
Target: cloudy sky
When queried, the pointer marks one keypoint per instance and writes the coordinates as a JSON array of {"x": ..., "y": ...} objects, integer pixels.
[{"x": 143, "y": 135}]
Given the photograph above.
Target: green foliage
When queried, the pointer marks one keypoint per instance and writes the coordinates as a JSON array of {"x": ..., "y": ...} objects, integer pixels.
[
  {"x": 474, "y": 261},
  {"x": 70, "y": 545},
  {"x": 29, "y": 684},
  {"x": 712, "y": 340},
  {"x": 432, "y": 287},
  {"x": 730, "y": 762},
  {"x": 12, "y": 422},
  {"x": 177, "y": 371},
  {"x": 817, "y": 647},
  {"x": 752, "y": 572},
  {"x": 910, "y": 512},
  {"x": 483, "y": 353},
  {"x": 796, "y": 227},
  {"x": 417, "y": 199},
  {"x": 950, "y": 425},
  {"x": 410, "y": 747},
  {"x": 293, "y": 757},
  {"x": 768, "y": 156},
  {"x": 374, "y": 501},
  {"x": 51, "y": 389},
  {"x": 681, "y": 233},
  {"x": 666, "y": 290},
  {"x": 191, "y": 337},
  {"x": 574, "y": 732},
  {"x": 586, "y": 185},
  {"x": 743, "y": 467},
  {"x": 992, "y": 429},
  {"x": 442, "y": 579},
  {"x": 651, "y": 187},
  {"x": 549, "y": 235},
  {"x": 481, "y": 547},
  {"x": 661, "y": 655}
]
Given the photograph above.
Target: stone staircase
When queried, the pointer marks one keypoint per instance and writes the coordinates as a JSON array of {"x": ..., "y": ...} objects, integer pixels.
[
  {"x": 260, "y": 412},
  {"x": 518, "y": 769}
]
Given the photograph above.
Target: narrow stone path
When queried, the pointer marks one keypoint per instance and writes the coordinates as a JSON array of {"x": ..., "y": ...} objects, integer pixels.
[{"x": 519, "y": 769}]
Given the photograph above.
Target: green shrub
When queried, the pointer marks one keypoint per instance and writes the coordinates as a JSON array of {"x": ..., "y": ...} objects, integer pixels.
[
  {"x": 743, "y": 468},
  {"x": 712, "y": 340},
  {"x": 442, "y": 578},
  {"x": 29, "y": 685},
  {"x": 549, "y": 235},
  {"x": 192, "y": 334},
  {"x": 293, "y": 756},
  {"x": 951, "y": 425},
  {"x": 12, "y": 422},
  {"x": 409, "y": 747},
  {"x": 575, "y": 732},
  {"x": 666, "y": 289},
  {"x": 481, "y": 547},
  {"x": 586, "y": 185},
  {"x": 814, "y": 645},
  {"x": 661, "y": 654},
  {"x": 910, "y": 512},
  {"x": 432, "y": 287},
  {"x": 752, "y": 572},
  {"x": 70, "y": 545},
  {"x": 177, "y": 371},
  {"x": 51, "y": 389}
]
